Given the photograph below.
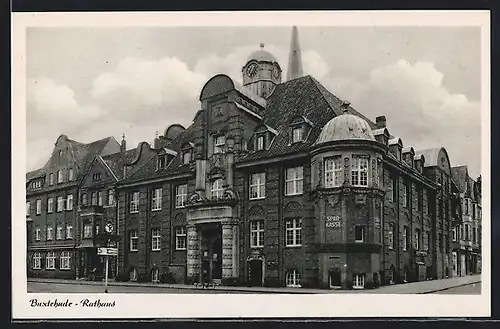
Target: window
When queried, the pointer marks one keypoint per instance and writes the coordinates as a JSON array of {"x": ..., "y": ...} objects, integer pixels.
[
  {"x": 111, "y": 197},
  {"x": 358, "y": 281},
  {"x": 180, "y": 238},
  {"x": 395, "y": 185},
  {"x": 99, "y": 198},
  {"x": 461, "y": 232},
  {"x": 217, "y": 189},
  {"x": 65, "y": 259},
  {"x": 161, "y": 162},
  {"x": 50, "y": 261},
  {"x": 474, "y": 237},
  {"x": 257, "y": 186},
  {"x": 28, "y": 208},
  {"x": 134, "y": 241},
  {"x": 37, "y": 261},
  {"x": 60, "y": 177},
  {"x": 37, "y": 234},
  {"x": 406, "y": 238},
  {"x": 294, "y": 232},
  {"x": 257, "y": 233},
  {"x": 294, "y": 181},
  {"x": 69, "y": 231},
  {"x": 390, "y": 236},
  {"x": 417, "y": 239},
  {"x": 36, "y": 184},
  {"x": 359, "y": 171},
  {"x": 297, "y": 135},
  {"x": 84, "y": 199},
  {"x": 156, "y": 199},
  {"x": 38, "y": 207},
  {"x": 406, "y": 195},
  {"x": 293, "y": 279},
  {"x": 260, "y": 143},
  {"x": 155, "y": 275},
  {"x": 467, "y": 232},
  {"x": 134, "y": 202},
  {"x": 70, "y": 174},
  {"x": 50, "y": 205},
  {"x": 333, "y": 172},
  {"x": 420, "y": 197},
  {"x": 60, "y": 204},
  {"x": 186, "y": 157},
  {"x": 180, "y": 195},
  {"x": 96, "y": 177},
  {"x": 466, "y": 206},
  {"x": 51, "y": 179},
  {"x": 59, "y": 231},
  {"x": 69, "y": 202},
  {"x": 49, "y": 233},
  {"x": 87, "y": 231},
  {"x": 155, "y": 239},
  {"x": 359, "y": 234},
  {"x": 219, "y": 143},
  {"x": 454, "y": 234}
]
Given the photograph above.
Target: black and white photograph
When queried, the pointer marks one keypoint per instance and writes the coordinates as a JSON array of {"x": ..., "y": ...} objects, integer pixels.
[{"x": 255, "y": 164}]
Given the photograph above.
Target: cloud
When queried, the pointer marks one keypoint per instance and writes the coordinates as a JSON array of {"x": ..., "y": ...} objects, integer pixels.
[
  {"x": 145, "y": 91},
  {"x": 418, "y": 108},
  {"x": 52, "y": 110}
]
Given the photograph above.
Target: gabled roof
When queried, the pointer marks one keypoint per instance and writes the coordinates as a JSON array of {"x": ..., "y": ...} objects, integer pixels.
[
  {"x": 116, "y": 161},
  {"x": 82, "y": 154},
  {"x": 459, "y": 176}
]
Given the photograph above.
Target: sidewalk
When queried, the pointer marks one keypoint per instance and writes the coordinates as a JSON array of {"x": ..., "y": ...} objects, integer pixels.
[{"x": 423, "y": 287}]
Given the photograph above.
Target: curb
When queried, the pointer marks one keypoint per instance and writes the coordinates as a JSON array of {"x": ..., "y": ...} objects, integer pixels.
[
  {"x": 227, "y": 289},
  {"x": 448, "y": 288}
]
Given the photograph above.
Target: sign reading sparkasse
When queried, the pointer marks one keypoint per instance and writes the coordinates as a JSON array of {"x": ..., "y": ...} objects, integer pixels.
[{"x": 333, "y": 221}]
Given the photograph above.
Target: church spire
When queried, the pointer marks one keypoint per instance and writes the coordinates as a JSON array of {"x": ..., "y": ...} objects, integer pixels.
[{"x": 295, "y": 58}]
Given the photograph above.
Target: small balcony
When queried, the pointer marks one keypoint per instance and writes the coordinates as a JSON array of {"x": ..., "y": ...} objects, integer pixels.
[{"x": 90, "y": 209}]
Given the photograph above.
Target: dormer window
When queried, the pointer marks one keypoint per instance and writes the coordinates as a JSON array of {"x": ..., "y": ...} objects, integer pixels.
[
  {"x": 297, "y": 134},
  {"x": 300, "y": 128},
  {"x": 161, "y": 162},
  {"x": 96, "y": 177},
  {"x": 36, "y": 184},
  {"x": 219, "y": 144},
  {"x": 51, "y": 179},
  {"x": 260, "y": 142},
  {"x": 60, "y": 177},
  {"x": 216, "y": 189},
  {"x": 187, "y": 153}
]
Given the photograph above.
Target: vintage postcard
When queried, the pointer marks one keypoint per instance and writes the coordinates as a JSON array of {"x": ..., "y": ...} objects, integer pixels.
[{"x": 251, "y": 164}]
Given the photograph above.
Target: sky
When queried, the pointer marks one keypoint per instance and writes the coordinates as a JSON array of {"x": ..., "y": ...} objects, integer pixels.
[{"x": 90, "y": 83}]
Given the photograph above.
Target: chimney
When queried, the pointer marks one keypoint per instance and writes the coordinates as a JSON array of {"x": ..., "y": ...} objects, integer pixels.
[
  {"x": 345, "y": 106},
  {"x": 123, "y": 145},
  {"x": 381, "y": 122}
]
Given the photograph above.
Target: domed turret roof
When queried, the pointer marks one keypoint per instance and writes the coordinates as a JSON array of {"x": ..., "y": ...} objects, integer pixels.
[
  {"x": 262, "y": 55},
  {"x": 345, "y": 127}
]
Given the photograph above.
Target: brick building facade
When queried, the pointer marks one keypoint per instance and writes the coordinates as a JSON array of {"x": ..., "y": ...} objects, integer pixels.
[{"x": 274, "y": 183}]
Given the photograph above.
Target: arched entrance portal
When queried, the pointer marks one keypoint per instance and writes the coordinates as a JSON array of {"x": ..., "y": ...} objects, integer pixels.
[{"x": 211, "y": 253}]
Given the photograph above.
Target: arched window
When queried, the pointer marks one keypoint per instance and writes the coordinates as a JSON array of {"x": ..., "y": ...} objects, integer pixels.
[
  {"x": 293, "y": 279},
  {"x": 217, "y": 189}
]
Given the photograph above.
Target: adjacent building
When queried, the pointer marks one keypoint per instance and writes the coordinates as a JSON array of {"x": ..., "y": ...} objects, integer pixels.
[{"x": 275, "y": 183}]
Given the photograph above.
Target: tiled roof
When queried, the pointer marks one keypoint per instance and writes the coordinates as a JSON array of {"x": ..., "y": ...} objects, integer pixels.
[
  {"x": 148, "y": 169},
  {"x": 116, "y": 161},
  {"x": 83, "y": 155},
  {"x": 459, "y": 176},
  {"x": 302, "y": 96}
]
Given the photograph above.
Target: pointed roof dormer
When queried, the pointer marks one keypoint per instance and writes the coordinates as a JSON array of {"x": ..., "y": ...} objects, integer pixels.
[{"x": 294, "y": 58}]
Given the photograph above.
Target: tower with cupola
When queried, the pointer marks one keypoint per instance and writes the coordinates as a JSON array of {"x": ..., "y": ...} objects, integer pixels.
[{"x": 262, "y": 72}]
